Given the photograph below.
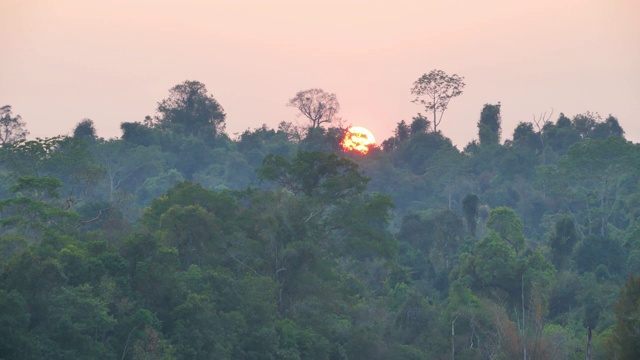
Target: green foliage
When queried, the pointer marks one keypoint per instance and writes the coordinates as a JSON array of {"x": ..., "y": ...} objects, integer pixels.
[
  {"x": 153, "y": 187},
  {"x": 415, "y": 154},
  {"x": 189, "y": 194},
  {"x": 420, "y": 124},
  {"x": 85, "y": 130},
  {"x": 323, "y": 176},
  {"x": 106, "y": 252},
  {"x": 190, "y": 110},
  {"x": 139, "y": 134},
  {"x": 14, "y": 325},
  {"x": 594, "y": 252},
  {"x": 364, "y": 222},
  {"x": 626, "y": 334},
  {"x": 470, "y": 206},
  {"x": 562, "y": 240},
  {"x": 29, "y": 158},
  {"x": 35, "y": 208},
  {"x": 526, "y": 138},
  {"x": 489, "y": 125},
  {"x": 495, "y": 262},
  {"x": 507, "y": 224},
  {"x": 11, "y": 128}
]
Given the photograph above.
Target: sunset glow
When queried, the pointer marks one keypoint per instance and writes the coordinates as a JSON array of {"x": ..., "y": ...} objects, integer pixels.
[{"x": 357, "y": 138}]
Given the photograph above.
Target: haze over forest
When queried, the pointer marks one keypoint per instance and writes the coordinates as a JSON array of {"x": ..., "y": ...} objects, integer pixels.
[{"x": 177, "y": 180}]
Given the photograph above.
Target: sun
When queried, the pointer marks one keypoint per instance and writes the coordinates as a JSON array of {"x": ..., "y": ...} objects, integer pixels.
[{"x": 357, "y": 138}]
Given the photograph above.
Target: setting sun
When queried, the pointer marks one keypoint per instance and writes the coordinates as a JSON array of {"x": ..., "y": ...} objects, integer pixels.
[{"x": 357, "y": 138}]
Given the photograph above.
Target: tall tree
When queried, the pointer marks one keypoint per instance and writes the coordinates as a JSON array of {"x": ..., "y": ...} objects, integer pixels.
[
  {"x": 562, "y": 240},
  {"x": 470, "y": 207},
  {"x": 11, "y": 128},
  {"x": 626, "y": 334},
  {"x": 85, "y": 130},
  {"x": 489, "y": 125},
  {"x": 317, "y": 105},
  {"x": 589, "y": 180},
  {"x": 526, "y": 138},
  {"x": 190, "y": 109},
  {"x": 402, "y": 132},
  {"x": 434, "y": 90}
]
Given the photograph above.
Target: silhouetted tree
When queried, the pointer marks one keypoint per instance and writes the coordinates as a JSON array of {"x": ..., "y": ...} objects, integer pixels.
[
  {"x": 85, "y": 130},
  {"x": 190, "y": 109},
  {"x": 11, "y": 128},
  {"x": 317, "y": 105},
  {"x": 489, "y": 125},
  {"x": 434, "y": 90}
]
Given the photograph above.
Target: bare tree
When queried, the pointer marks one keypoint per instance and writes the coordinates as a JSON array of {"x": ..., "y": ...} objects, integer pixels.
[
  {"x": 317, "y": 105},
  {"x": 11, "y": 128},
  {"x": 434, "y": 90}
]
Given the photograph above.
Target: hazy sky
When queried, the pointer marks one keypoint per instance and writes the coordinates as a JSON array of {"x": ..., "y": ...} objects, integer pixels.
[{"x": 112, "y": 61}]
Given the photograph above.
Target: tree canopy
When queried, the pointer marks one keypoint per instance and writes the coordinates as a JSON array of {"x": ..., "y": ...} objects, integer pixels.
[
  {"x": 12, "y": 128},
  {"x": 435, "y": 90},
  {"x": 318, "y": 106},
  {"x": 190, "y": 109},
  {"x": 177, "y": 241}
]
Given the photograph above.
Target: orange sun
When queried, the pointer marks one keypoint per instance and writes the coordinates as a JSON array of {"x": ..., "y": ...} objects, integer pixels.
[{"x": 357, "y": 138}]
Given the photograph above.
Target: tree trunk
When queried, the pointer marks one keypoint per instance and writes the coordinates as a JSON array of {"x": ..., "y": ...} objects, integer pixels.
[
  {"x": 453, "y": 340},
  {"x": 524, "y": 328},
  {"x": 589, "y": 342}
]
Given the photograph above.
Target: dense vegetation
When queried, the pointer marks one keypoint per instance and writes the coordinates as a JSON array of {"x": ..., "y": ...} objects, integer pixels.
[{"x": 178, "y": 242}]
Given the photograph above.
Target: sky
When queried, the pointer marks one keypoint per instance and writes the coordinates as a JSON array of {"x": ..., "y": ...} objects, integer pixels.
[{"x": 112, "y": 61}]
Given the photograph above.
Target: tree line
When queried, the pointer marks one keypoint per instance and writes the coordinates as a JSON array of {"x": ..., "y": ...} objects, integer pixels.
[{"x": 176, "y": 241}]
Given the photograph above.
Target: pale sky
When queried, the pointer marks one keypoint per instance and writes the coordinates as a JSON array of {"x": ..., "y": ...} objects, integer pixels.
[{"x": 111, "y": 61}]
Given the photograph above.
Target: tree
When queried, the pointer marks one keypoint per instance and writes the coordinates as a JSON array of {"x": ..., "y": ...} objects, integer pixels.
[
  {"x": 626, "y": 334},
  {"x": 562, "y": 240},
  {"x": 30, "y": 158},
  {"x": 470, "y": 206},
  {"x": 589, "y": 177},
  {"x": 526, "y": 138},
  {"x": 191, "y": 110},
  {"x": 446, "y": 231},
  {"x": 434, "y": 90},
  {"x": 489, "y": 124},
  {"x": 85, "y": 130},
  {"x": 123, "y": 164},
  {"x": 495, "y": 263},
  {"x": 585, "y": 124},
  {"x": 35, "y": 208},
  {"x": 402, "y": 132},
  {"x": 321, "y": 175},
  {"x": 420, "y": 124},
  {"x": 506, "y": 223},
  {"x": 139, "y": 134},
  {"x": 610, "y": 127},
  {"x": 11, "y": 128},
  {"x": 14, "y": 324},
  {"x": 447, "y": 169},
  {"x": 317, "y": 105}
]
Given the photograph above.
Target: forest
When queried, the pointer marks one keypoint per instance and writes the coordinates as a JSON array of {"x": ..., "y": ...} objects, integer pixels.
[{"x": 178, "y": 241}]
